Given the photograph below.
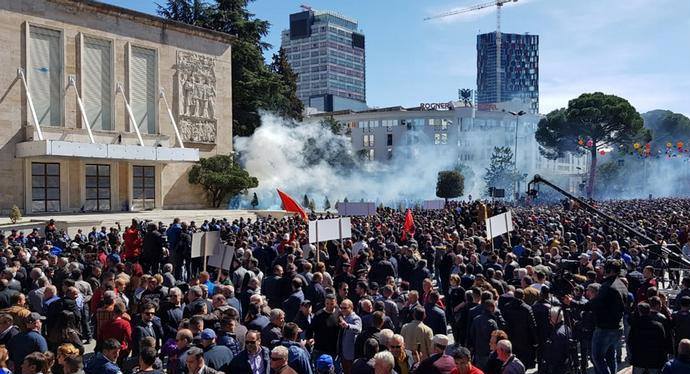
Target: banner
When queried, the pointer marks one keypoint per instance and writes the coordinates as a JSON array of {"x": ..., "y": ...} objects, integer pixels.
[
  {"x": 211, "y": 243},
  {"x": 329, "y": 229},
  {"x": 499, "y": 225},
  {"x": 223, "y": 258},
  {"x": 198, "y": 242}
]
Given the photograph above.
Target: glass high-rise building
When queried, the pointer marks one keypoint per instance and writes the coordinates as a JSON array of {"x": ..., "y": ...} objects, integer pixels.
[
  {"x": 326, "y": 50},
  {"x": 519, "y": 70}
]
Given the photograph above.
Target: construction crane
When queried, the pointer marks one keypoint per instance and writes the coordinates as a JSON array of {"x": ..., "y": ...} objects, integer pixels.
[{"x": 498, "y": 4}]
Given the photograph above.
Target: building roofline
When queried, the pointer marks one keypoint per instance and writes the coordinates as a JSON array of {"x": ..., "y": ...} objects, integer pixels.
[{"x": 145, "y": 18}]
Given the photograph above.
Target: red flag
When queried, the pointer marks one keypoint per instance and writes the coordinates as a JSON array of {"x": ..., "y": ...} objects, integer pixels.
[
  {"x": 408, "y": 227},
  {"x": 291, "y": 205}
]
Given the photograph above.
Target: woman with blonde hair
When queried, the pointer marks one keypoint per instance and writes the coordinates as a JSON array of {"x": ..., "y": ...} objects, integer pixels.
[
  {"x": 64, "y": 352},
  {"x": 4, "y": 357}
]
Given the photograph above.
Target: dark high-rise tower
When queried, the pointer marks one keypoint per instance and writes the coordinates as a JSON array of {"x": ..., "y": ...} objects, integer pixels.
[
  {"x": 326, "y": 50},
  {"x": 519, "y": 70}
]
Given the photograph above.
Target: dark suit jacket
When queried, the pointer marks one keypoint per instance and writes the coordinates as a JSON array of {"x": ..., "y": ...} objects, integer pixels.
[
  {"x": 141, "y": 331},
  {"x": 292, "y": 304},
  {"x": 240, "y": 363}
]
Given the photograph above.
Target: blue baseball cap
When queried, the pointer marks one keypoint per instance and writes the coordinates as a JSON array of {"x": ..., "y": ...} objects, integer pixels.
[
  {"x": 324, "y": 362},
  {"x": 208, "y": 334}
]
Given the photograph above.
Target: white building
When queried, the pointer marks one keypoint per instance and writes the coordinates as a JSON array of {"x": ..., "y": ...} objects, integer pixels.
[{"x": 459, "y": 133}]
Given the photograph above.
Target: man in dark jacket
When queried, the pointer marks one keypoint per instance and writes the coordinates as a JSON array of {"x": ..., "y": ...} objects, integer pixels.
[
  {"x": 521, "y": 328},
  {"x": 182, "y": 252},
  {"x": 556, "y": 354},
  {"x": 149, "y": 325},
  {"x": 152, "y": 249},
  {"x": 315, "y": 292},
  {"x": 216, "y": 356},
  {"x": 270, "y": 286},
  {"x": 418, "y": 275},
  {"x": 608, "y": 308},
  {"x": 370, "y": 332},
  {"x": 647, "y": 341},
  {"x": 291, "y": 304},
  {"x": 435, "y": 315},
  {"x": 252, "y": 342},
  {"x": 681, "y": 320},
  {"x": 480, "y": 332}
]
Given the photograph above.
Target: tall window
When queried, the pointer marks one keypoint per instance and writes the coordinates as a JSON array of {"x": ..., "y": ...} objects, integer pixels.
[
  {"x": 142, "y": 88},
  {"x": 44, "y": 74},
  {"x": 97, "y": 187},
  {"x": 368, "y": 140},
  {"x": 389, "y": 140},
  {"x": 45, "y": 187},
  {"x": 144, "y": 187},
  {"x": 96, "y": 82}
]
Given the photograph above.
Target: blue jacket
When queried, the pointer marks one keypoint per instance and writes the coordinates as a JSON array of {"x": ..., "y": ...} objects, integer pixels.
[
  {"x": 100, "y": 364},
  {"x": 298, "y": 358},
  {"x": 218, "y": 357},
  {"x": 291, "y": 305},
  {"x": 24, "y": 343},
  {"x": 436, "y": 319},
  {"x": 676, "y": 366}
]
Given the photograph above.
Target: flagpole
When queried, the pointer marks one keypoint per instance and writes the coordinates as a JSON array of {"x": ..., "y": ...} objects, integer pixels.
[{"x": 505, "y": 215}]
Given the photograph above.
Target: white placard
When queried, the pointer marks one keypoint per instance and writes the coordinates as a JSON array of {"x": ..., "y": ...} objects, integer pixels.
[
  {"x": 212, "y": 243},
  {"x": 346, "y": 227},
  {"x": 223, "y": 258},
  {"x": 312, "y": 231},
  {"x": 198, "y": 244},
  {"x": 330, "y": 229},
  {"x": 499, "y": 224}
]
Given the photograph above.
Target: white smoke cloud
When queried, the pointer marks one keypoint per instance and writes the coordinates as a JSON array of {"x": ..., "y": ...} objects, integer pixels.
[{"x": 275, "y": 155}]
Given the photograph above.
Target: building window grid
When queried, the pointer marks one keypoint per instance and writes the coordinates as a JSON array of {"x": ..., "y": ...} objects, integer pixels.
[
  {"x": 97, "y": 187},
  {"x": 144, "y": 186},
  {"x": 45, "y": 187}
]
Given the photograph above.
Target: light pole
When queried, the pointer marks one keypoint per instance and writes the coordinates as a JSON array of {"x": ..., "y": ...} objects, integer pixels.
[{"x": 517, "y": 116}]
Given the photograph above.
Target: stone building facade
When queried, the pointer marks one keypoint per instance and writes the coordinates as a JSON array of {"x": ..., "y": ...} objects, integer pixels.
[{"x": 106, "y": 109}]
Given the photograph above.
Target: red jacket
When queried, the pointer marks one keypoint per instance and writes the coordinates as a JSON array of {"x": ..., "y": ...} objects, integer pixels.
[
  {"x": 132, "y": 243},
  {"x": 119, "y": 329}
]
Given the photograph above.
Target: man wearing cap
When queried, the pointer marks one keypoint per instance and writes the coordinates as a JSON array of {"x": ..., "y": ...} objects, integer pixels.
[
  {"x": 439, "y": 361},
  {"x": 217, "y": 357},
  {"x": 254, "y": 359},
  {"x": 28, "y": 341},
  {"x": 324, "y": 364}
]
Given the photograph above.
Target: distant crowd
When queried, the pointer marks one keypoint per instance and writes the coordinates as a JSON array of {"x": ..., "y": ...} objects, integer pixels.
[{"x": 565, "y": 291}]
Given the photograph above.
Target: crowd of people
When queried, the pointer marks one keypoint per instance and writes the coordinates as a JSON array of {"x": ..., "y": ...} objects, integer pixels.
[{"x": 564, "y": 291}]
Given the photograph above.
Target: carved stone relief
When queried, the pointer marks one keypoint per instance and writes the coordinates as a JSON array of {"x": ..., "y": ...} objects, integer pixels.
[{"x": 196, "y": 104}]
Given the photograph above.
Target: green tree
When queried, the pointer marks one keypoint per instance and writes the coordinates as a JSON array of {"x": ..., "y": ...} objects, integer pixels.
[
  {"x": 286, "y": 102},
  {"x": 450, "y": 184},
  {"x": 333, "y": 124},
  {"x": 221, "y": 178},
  {"x": 305, "y": 201},
  {"x": 326, "y": 204},
  {"x": 666, "y": 126},
  {"x": 468, "y": 175},
  {"x": 255, "y": 201},
  {"x": 501, "y": 171},
  {"x": 607, "y": 120},
  {"x": 255, "y": 85}
]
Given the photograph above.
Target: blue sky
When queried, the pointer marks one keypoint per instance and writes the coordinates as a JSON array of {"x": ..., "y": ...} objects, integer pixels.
[{"x": 637, "y": 49}]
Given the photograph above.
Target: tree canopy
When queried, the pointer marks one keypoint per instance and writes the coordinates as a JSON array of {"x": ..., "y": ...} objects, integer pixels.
[
  {"x": 666, "y": 126},
  {"x": 501, "y": 171},
  {"x": 450, "y": 184},
  {"x": 591, "y": 122},
  {"x": 221, "y": 178},
  {"x": 256, "y": 86}
]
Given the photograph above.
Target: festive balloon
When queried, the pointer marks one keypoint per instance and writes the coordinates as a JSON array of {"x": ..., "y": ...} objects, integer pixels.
[
  {"x": 581, "y": 142},
  {"x": 648, "y": 146},
  {"x": 669, "y": 145},
  {"x": 636, "y": 145},
  {"x": 602, "y": 152},
  {"x": 679, "y": 144},
  {"x": 590, "y": 143}
]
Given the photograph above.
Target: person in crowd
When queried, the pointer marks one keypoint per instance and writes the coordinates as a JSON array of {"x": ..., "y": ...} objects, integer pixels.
[
  {"x": 298, "y": 357},
  {"x": 4, "y": 358},
  {"x": 681, "y": 363},
  {"x": 196, "y": 364},
  {"x": 26, "y": 342},
  {"x": 405, "y": 360},
  {"x": 438, "y": 362},
  {"x": 647, "y": 341},
  {"x": 351, "y": 326},
  {"x": 105, "y": 361},
  {"x": 273, "y": 332},
  {"x": 279, "y": 361},
  {"x": 417, "y": 335},
  {"x": 254, "y": 359},
  {"x": 511, "y": 364},
  {"x": 463, "y": 362},
  {"x": 383, "y": 363}
]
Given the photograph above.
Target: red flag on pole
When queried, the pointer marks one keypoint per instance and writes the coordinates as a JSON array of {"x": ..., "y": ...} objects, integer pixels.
[
  {"x": 291, "y": 205},
  {"x": 408, "y": 227}
]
